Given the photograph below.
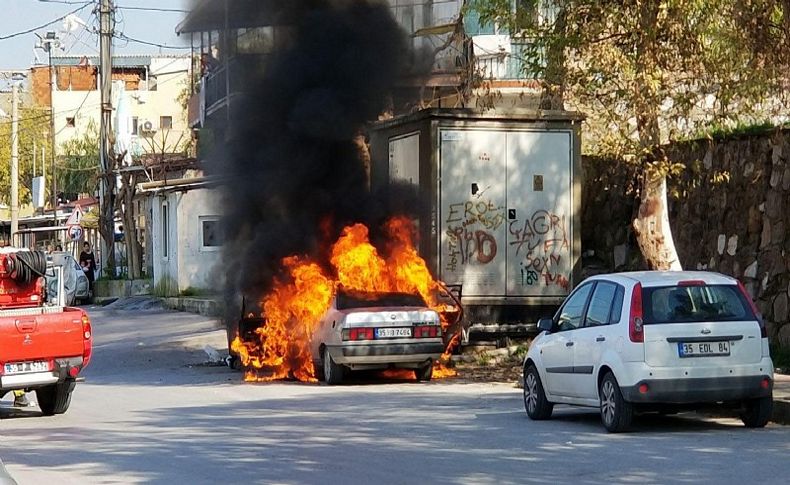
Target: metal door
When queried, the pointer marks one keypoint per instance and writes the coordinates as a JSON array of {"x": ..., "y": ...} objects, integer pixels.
[
  {"x": 472, "y": 211},
  {"x": 539, "y": 214}
]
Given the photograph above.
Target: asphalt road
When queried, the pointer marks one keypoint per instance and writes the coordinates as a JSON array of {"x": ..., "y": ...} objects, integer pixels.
[{"x": 150, "y": 413}]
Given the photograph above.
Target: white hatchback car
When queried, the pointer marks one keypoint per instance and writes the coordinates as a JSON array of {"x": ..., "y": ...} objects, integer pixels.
[{"x": 652, "y": 341}]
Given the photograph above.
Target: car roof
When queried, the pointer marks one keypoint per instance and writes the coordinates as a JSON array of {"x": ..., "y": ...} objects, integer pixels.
[{"x": 667, "y": 278}]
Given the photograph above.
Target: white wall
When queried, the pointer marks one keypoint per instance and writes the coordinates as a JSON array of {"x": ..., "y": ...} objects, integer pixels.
[
  {"x": 188, "y": 263},
  {"x": 196, "y": 263}
]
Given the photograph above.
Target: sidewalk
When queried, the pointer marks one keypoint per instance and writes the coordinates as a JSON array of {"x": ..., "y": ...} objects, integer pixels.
[{"x": 781, "y": 399}]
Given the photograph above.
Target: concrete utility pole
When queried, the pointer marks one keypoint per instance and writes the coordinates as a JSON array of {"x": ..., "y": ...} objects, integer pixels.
[
  {"x": 14, "y": 160},
  {"x": 106, "y": 218}
]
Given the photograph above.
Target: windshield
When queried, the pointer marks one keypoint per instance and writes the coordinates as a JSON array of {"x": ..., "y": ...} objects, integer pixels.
[
  {"x": 703, "y": 303},
  {"x": 348, "y": 300}
]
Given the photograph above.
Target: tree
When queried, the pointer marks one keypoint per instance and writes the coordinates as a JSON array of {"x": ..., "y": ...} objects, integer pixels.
[
  {"x": 647, "y": 72},
  {"x": 79, "y": 162},
  {"x": 33, "y": 137}
]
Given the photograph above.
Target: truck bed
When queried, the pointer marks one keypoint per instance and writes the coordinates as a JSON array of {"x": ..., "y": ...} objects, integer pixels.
[{"x": 42, "y": 333}]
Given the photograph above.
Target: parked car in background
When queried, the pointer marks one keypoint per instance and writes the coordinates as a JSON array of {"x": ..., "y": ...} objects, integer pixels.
[
  {"x": 652, "y": 341},
  {"x": 363, "y": 331},
  {"x": 75, "y": 282}
]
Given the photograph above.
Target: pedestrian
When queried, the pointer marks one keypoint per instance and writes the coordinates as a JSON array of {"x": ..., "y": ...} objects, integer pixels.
[
  {"x": 58, "y": 248},
  {"x": 88, "y": 263}
]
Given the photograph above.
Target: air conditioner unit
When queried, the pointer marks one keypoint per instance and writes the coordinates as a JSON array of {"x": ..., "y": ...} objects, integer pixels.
[{"x": 147, "y": 126}]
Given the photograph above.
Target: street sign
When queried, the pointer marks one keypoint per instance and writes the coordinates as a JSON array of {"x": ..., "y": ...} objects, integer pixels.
[
  {"x": 76, "y": 217},
  {"x": 75, "y": 232}
]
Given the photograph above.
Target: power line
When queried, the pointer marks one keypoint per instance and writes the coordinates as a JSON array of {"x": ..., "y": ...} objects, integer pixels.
[
  {"x": 16, "y": 34},
  {"x": 154, "y": 9},
  {"x": 162, "y": 46}
]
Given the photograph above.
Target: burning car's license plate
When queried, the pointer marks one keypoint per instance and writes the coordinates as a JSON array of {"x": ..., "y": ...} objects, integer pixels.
[
  {"x": 393, "y": 332},
  {"x": 25, "y": 367},
  {"x": 703, "y": 349}
]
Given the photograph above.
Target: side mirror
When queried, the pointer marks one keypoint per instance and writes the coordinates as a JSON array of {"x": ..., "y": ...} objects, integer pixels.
[{"x": 545, "y": 324}]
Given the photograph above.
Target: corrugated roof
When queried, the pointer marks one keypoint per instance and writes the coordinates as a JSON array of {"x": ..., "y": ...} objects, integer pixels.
[{"x": 117, "y": 61}]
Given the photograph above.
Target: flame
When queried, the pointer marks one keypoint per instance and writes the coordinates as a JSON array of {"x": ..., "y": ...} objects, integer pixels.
[{"x": 293, "y": 308}]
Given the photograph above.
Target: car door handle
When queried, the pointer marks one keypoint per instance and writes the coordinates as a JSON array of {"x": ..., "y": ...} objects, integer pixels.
[
  {"x": 569, "y": 344},
  {"x": 600, "y": 339}
]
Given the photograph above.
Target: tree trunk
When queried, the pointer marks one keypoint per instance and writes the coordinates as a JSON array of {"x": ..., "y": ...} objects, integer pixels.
[
  {"x": 651, "y": 226},
  {"x": 133, "y": 250}
]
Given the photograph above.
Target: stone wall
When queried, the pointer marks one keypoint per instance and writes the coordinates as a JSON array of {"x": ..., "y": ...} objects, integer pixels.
[{"x": 729, "y": 211}]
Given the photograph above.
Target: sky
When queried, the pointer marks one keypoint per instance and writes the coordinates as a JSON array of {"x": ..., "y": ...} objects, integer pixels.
[{"x": 151, "y": 26}]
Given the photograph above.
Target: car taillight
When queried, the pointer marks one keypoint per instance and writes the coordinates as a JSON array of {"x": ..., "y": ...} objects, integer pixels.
[
  {"x": 635, "y": 323},
  {"x": 757, "y": 315},
  {"x": 363, "y": 333},
  {"x": 87, "y": 338},
  {"x": 427, "y": 331}
]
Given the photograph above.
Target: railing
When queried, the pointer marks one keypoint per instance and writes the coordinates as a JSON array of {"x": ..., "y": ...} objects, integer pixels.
[{"x": 216, "y": 88}]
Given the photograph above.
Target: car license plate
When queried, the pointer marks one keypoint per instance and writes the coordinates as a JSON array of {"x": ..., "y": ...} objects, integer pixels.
[
  {"x": 393, "y": 332},
  {"x": 25, "y": 367},
  {"x": 703, "y": 349}
]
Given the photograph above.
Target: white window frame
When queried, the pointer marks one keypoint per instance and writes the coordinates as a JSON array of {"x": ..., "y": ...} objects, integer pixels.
[{"x": 201, "y": 220}]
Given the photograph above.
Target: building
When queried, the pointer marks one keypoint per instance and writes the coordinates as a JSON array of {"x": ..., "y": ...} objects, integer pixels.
[{"x": 154, "y": 90}]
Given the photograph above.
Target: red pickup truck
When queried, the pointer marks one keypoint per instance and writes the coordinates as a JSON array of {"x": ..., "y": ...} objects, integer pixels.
[{"x": 44, "y": 345}]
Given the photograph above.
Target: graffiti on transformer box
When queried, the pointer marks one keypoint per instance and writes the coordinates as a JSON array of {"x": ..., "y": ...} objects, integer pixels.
[
  {"x": 542, "y": 240},
  {"x": 470, "y": 232}
]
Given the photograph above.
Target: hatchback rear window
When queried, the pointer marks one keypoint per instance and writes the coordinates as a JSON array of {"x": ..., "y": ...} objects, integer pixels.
[{"x": 703, "y": 303}]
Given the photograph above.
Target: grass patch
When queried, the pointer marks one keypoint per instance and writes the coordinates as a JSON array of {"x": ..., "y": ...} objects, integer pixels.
[{"x": 192, "y": 291}]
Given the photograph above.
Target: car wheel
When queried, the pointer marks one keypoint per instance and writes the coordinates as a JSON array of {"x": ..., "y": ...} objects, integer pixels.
[
  {"x": 54, "y": 399},
  {"x": 616, "y": 412},
  {"x": 424, "y": 373},
  {"x": 757, "y": 412},
  {"x": 535, "y": 402},
  {"x": 333, "y": 372}
]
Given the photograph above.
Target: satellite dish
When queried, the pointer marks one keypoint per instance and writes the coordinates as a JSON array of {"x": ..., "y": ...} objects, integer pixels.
[{"x": 148, "y": 126}]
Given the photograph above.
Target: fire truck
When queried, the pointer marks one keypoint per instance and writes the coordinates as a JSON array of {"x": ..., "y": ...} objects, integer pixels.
[{"x": 44, "y": 344}]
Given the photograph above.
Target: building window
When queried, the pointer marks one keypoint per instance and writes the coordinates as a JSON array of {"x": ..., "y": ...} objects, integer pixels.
[
  {"x": 165, "y": 231},
  {"x": 165, "y": 122},
  {"x": 210, "y": 233},
  {"x": 135, "y": 125},
  {"x": 70, "y": 122}
]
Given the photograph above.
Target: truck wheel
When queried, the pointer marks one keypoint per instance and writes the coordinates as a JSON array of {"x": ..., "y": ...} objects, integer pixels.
[
  {"x": 424, "y": 373},
  {"x": 333, "y": 372},
  {"x": 55, "y": 399},
  {"x": 757, "y": 412}
]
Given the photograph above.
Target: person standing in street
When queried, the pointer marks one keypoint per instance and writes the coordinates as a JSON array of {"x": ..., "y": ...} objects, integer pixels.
[{"x": 88, "y": 263}]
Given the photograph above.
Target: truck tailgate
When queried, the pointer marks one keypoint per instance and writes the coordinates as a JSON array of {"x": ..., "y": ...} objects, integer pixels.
[{"x": 40, "y": 335}]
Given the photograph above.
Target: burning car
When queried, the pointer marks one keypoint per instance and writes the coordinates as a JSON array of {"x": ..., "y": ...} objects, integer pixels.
[{"x": 363, "y": 331}]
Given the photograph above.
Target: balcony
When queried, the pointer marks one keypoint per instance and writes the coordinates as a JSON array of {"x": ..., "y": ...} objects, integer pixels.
[{"x": 219, "y": 86}]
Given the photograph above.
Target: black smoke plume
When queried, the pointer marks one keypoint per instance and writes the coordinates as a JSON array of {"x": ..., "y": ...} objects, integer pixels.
[{"x": 294, "y": 167}]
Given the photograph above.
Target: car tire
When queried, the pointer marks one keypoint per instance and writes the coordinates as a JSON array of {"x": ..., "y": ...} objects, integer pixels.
[
  {"x": 424, "y": 373},
  {"x": 757, "y": 412},
  {"x": 535, "y": 402},
  {"x": 333, "y": 372},
  {"x": 616, "y": 413},
  {"x": 54, "y": 399}
]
